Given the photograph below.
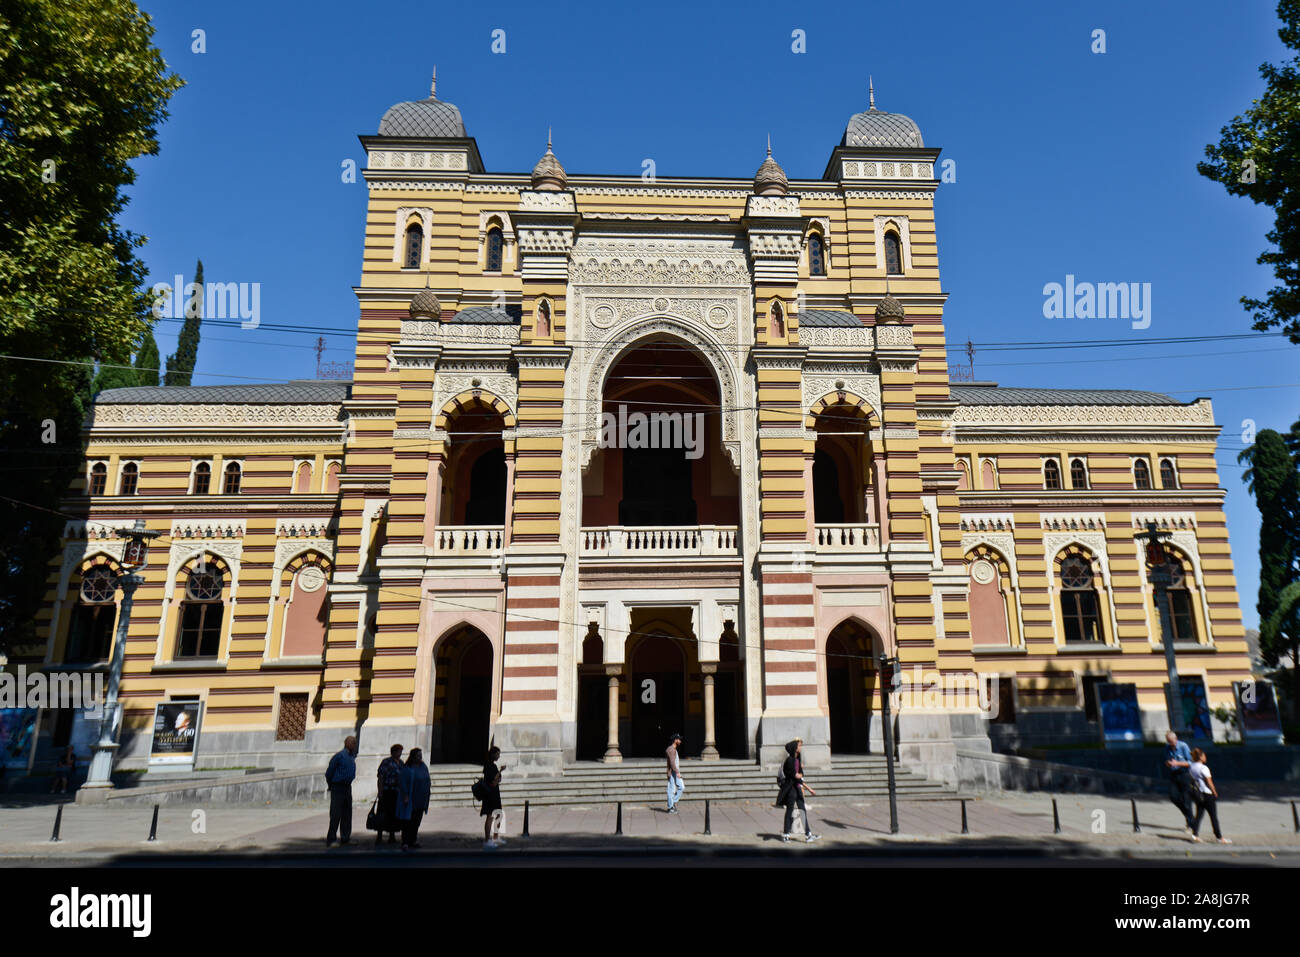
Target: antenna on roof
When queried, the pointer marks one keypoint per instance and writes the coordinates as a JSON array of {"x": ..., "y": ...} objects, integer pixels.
[{"x": 433, "y": 84}]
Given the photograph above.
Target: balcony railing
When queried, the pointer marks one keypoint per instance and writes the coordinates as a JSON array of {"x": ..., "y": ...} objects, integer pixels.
[
  {"x": 618, "y": 541},
  {"x": 847, "y": 538},
  {"x": 468, "y": 539}
]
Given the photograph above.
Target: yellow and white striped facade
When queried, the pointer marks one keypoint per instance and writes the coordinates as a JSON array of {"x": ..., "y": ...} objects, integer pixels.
[{"x": 591, "y": 269}]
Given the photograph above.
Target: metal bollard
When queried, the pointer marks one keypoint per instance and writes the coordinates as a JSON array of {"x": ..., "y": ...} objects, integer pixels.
[
  {"x": 618, "y": 825},
  {"x": 1137, "y": 828},
  {"x": 525, "y": 834},
  {"x": 58, "y": 823},
  {"x": 1056, "y": 819},
  {"x": 153, "y": 827},
  {"x": 964, "y": 828},
  {"x": 707, "y": 829},
  {"x": 1295, "y": 817}
]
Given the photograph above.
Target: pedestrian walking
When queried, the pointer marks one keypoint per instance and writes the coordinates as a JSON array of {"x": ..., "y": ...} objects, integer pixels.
[
  {"x": 491, "y": 796},
  {"x": 675, "y": 784},
  {"x": 389, "y": 777},
  {"x": 340, "y": 774},
  {"x": 1178, "y": 759},
  {"x": 1205, "y": 795},
  {"x": 63, "y": 771},
  {"x": 791, "y": 791},
  {"x": 412, "y": 798}
]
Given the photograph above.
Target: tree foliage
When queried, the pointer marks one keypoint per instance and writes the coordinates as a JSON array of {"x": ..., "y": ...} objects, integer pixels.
[
  {"x": 180, "y": 364},
  {"x": 1258, "y": 156},
  {"x": 82, "y": 92}
]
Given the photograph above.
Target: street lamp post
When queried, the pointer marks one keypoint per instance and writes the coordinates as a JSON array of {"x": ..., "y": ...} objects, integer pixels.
[
  {"x": 1161, "y": 578},
  {"x": 888, "y": 664},
  {"x": 134, "y": 561}
]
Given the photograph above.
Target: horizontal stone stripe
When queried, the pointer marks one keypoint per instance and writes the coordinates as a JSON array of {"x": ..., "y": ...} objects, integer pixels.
[
  {"x": 529, "y": 694},
  {"x": 790, "y": 644},
  {"x": 809, "y": 690},
  {"x": 802, "y": 622},
  {"x": 531, "y": 649}
]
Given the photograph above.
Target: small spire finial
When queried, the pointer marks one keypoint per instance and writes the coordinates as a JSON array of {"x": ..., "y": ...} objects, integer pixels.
[
  {"x": 433, "y": 85},
  {"x": 871, "y": 91},
  {"x": 769, "y": 144},
  {"x": 548, "y": 139}
]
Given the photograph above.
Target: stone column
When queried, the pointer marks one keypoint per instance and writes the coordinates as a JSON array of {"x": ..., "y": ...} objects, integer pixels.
[
  {"x": 710, "y": 752},
  {"x": 612, "y": 754}
]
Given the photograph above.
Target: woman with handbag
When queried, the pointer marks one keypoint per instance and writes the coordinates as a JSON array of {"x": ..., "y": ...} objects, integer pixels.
[
  {"x": 389, "y": 776},
  {"x": 412, "y": 798},
  {"x": 491, "y": 796},
  {"x": 1205, "y": 795}
]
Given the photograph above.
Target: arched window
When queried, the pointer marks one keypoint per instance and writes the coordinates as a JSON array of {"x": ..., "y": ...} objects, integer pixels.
[
  {"x": 233, "y": 476},
  {"x": 1180, "y": 603},
  {"x": 302, "y": 480},
  {"x": 1051, "y": 474},
  {"x": 495, "y": 245},
  {"x": 414, "y": 246},
  {"x": 202, "y": 478},
  {"x": 893, "y": 254},
  {"x": 816, "y": 255},
  {"x": 1079, "y": 600},
  {"x": 963, "y": 476},
  {"x": 1078, "y": 474},
  {"x": 1141, "y": 474},
  {"x": 130, "y": 479},
  {"x": 828, "y": 506},
  {"x": 332, "y": 478},
  {"x": 201, "y": 613},
  {"x": 989, "y": 586},
  {"x": 543, "y": 325},
  {"x": 90, "y": 634},
  {"x": 988, "y": 475},
  {"x": 98, "y": 479},
  {"x": 1168, "y": 474},
  {"x": 778, "y": 321}
]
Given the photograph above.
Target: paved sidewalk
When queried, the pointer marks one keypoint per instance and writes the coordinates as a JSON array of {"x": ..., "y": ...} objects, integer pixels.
[{"x": 1089, "y": 824}]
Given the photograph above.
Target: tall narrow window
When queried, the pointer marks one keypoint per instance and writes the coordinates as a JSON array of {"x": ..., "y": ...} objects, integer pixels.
[
  {"x": 98, "y": 479},
  {"x": 1168, "y": 474},
  {"x": 816, "y": 256},
  {"x": 1078, "y": 474},
  {"x": 90, "y": 635},
  {"x": 130, "y": 479},
  {"x": 495, "y": 244},
  {"x": 302, "y": 481},
  {"x": 1079, "y": 600},
  {"x": 543, "y": 328},
  {"x": 1051, "y": 474},
  {"x": 1141, "y": 474},
  {"x": 414, "y": 246},
  {"x": 893, "y": 254},
  {"x": 778, "y": 321},
  {"x": 201, "y": 613},
  {"x": 202, "y": 478},
  {"x": 1180, "y": 603},
  {"x": 232, "y": 479}
]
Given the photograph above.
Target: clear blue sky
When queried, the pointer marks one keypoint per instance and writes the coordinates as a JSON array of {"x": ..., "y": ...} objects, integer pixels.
[{"x": 1067, "y": 161}]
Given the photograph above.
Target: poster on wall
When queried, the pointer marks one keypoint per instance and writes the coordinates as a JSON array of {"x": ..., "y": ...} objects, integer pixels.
[
  {"x": 175, "y": 732},
  {"x": 1118, "y": 715},
  {"x": 1196, "y": 709},
  {"x": 17, "y": 737},
  {"x": 1257, "y": 711}
]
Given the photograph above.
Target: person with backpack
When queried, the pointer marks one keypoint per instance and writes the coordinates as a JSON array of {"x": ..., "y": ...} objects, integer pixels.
[
  {"x": 490, "y": 791},
  {"x": 675, "y": 785},
  {"x": 1205, "y": 795},
  {"x": 387, "y": 784},
  {"x": 791, "y": 784},
  {"x": 1178, "y": 760},
  {"x": 412, "y": 798},
  {"x": 340, "y": 774}
]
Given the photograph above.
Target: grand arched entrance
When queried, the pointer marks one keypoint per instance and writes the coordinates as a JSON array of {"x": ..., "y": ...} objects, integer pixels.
[
  {"x": 851, "y": 679},
  {"x": 462, "y": 698}
]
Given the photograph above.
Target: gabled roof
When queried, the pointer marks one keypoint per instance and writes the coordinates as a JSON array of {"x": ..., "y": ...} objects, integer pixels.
[{"x": 310, "y": 391}]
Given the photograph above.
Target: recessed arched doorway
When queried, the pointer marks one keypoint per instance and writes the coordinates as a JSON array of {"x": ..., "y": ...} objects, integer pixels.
[
  {"x": 462, "y": 698},
  {"x": 850, "y": 687},
  {"x": 657, "y": 693}
]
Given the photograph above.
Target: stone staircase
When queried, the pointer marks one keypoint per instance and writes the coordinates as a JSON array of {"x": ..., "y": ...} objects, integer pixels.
[{"x": 643, "y": 782}]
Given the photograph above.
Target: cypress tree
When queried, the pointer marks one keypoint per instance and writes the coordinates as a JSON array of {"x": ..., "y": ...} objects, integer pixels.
[
  {"x": 147, "y": 361},
  {"x": 180, "y": 364}
]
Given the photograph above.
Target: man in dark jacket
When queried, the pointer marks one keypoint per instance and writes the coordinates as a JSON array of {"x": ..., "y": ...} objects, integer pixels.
[
  {"x": 791, "y": 793},
  {"x": 339, "y": 776}
]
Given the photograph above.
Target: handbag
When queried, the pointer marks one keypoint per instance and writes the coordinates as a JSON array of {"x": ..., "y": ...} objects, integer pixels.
[
  {"x": 374, "y": 820},
  {"x": 479, "y": 790}
]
